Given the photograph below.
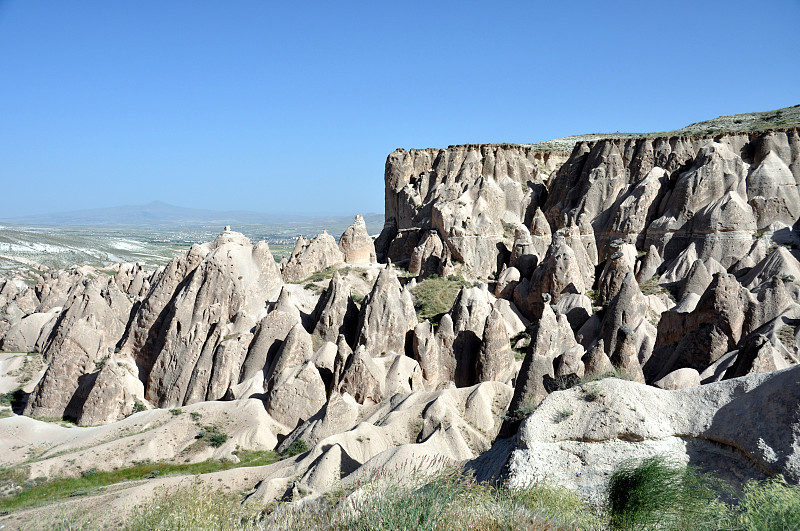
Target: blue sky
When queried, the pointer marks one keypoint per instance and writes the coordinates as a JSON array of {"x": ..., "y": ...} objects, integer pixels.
[{"x": 293, "y": 107}]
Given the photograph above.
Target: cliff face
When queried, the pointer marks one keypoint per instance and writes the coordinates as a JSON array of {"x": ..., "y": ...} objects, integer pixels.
[
  {"x": 645, "y": 191},
  {"x": 471, "y": 195}
]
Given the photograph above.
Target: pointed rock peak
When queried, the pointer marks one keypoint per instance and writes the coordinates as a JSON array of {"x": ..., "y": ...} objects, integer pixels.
[
  {"x": 284, "y": 302},
  {"x": 446, "y": 326},
  {"x": 386, "y": 276},
  {"x": 521, "y": 233},
  {"x": 780, "y": 263},
  {"x": 230, "y": 237},
  {"x": 342, "y": 346},
  {"x": 539, "y": 224}
]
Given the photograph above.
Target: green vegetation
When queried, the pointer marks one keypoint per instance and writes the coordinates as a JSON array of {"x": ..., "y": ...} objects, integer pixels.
[
  {"x": 509, "y": 229},
  {"x": 523, "y": 339},
  {"x": 658, "y": 494},
  {"x": 324, "y": 274},
  {"x": 358, "y": 298},
  {"x": 561, "y": 415},
  {"x": 520, "y": 413},
  {"x": 652, "y": 287},
  {"x": 592, "y": 393},
  {"x": 193, "y": 506},
  {"x": 755, "y": 121},
  {"x": 211, "y": 435},
  {"x": 771, "y": 504},
  {"x": 37, "y": 492},
  {"x": 297, "y": 447},
  {"x": 651, "y": 494},
  {"x": 447, "y": 500},
  {"x": 435, "y": 295},
  {"x": 98, "y": 365},
  {"x": 12, "y": 399}
]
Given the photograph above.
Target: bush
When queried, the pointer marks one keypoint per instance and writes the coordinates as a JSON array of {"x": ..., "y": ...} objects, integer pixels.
[
  {"x": 657, "y": 493},
  {"x": 297, "y": 447},
  {"x": 766, "y": 505}
]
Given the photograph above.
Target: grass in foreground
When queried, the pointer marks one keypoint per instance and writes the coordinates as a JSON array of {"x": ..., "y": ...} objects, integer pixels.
[
  {"x": 657, "y": 494},
  {"x": 653, "y": 494},
  {"x": 35, "y": 493}
]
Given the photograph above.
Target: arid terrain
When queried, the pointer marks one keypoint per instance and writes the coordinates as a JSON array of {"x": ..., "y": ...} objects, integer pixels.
[{"x": 528, "y": 317}]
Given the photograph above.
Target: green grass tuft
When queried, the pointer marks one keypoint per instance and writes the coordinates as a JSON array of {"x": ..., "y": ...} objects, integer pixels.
[
  {"x": 659, "y": 494},
  {"x": 766, "y": 505}
]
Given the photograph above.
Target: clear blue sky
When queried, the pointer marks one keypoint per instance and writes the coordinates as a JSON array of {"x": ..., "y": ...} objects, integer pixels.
[{"x": 289, "y": 106}]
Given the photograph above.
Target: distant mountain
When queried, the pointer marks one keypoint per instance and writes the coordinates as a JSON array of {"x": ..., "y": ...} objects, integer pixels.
[{"x": 160, "y": 214}]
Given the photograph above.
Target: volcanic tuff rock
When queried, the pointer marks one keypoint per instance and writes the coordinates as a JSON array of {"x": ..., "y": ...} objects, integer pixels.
[
  {"x": 387, "y": 316},
  {"x": 317, "y": 254},
  {"x": 336, "y": 312},
  {"x": 712, "y": 427},
  {"x": 666, "y": 260},
  {"x": 86, "y": 332},
  {"x": 466, "y": 193},
  {"x": 356, "y": 244}
]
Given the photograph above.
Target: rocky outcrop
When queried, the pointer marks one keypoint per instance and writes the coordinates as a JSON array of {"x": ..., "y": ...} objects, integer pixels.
[
  {"x": 495, "y": 359},
  {"x": 705, "y": 426},
  {"x": 315, "y": 255},
  {"x": 356, "y": 244},
  {"x": 469, "y": 194},
  {"x": 429, "y": 256},
  {"x": 336, "y": 313},
  {"x": 550, "y": 337},
  {"x": 387, "y": 316},
  {"x": 85, "y": 334},
  {"x": 433, "y": 350}
]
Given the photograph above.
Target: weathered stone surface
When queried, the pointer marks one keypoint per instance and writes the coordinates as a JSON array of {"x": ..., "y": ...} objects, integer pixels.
[
  {"x": 296, "y": 395},
  {"x": 22, "y": 335},
  {"x": 469, "y": 313},
  {"x": 336, "y": 312},
  {"x": 387, "y": 315},
  {"x": 679, "y": 379},
  {"x": 507, "y": 282},
  {"x": 495, "y": 359},
  {"x": 270, "y": 333},
  {"x": 356, "y": 244},
  {"x": 309, "y": 257},
  {"x": 467, "y": 193},
  {"x": 429, "y": 256},
  {"x": 223, "y": 294},
  {"x": 363, "y": 378},
  {"x": 90, "y": 325},
  {"x": 111, "y": 396},
  {"x": 433, "y": 350},
  {"x": 550, "y": 338},
  {"x": 711, "y": 426}
]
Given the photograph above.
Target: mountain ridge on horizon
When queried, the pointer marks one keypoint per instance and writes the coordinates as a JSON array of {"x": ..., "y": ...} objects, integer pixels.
[{"x": 160, "y": 213}]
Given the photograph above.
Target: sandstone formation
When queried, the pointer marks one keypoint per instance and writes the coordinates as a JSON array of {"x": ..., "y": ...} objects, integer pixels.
[
  {"x": 317, "y": 254},
  {"x": 356, "y": 244},
  {"x": 665, "y": 268}
]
